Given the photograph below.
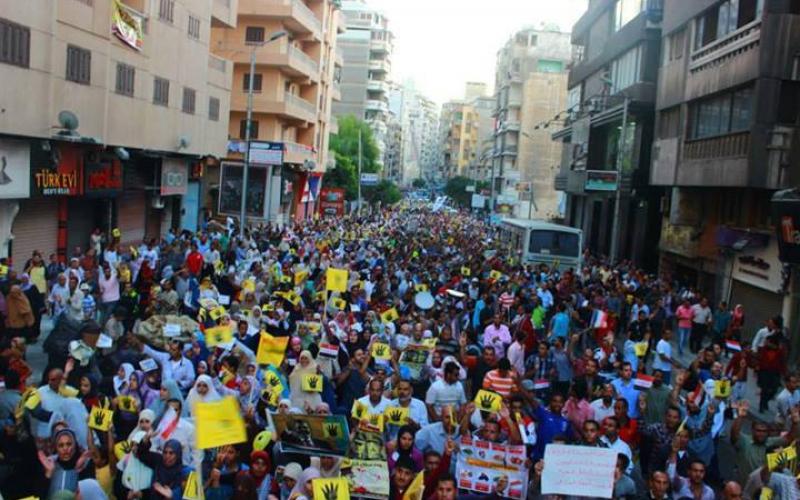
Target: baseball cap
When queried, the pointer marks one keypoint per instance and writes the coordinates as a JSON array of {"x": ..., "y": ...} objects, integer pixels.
[{"x": 528, "y": 385}]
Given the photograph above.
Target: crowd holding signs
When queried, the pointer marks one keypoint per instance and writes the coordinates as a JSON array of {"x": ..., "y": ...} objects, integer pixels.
[{"x": 408, "y": 355}]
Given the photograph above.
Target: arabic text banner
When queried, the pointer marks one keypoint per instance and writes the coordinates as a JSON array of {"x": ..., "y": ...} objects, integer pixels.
[{"x": 488, "y": 467}]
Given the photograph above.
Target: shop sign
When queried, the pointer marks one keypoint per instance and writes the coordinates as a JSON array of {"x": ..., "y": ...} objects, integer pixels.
[
  {"x": 102, "y": 178},
  {"x": 62, "y": 180},
  {"x": 266, "y": 153},
  {"x": 331, "y": 202},
  {"x": 15, "y": 169},
  {"x": 786, "y": 219},
  {"x": 601, "y": 180},
  {"x": 127, "y": 26},
  {"x": 173, "y": 177},
  {"x": 759, "y": 267}
]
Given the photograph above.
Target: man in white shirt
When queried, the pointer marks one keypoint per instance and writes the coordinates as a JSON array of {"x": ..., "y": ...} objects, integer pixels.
[
  {"x": 787, "y": 398},
  {"x": 374, "y": 400},
  {"x": 612, "y": 440},
  {"x": 173, "y": 365},
  {"x": 516, "y": 353},
  {"x": 445, "y": 391},
  {"x": 604, "y": 407},
  {"x": 700, "y": 322},
  {"x": 417, "y": 411},
  {"x": 761, "y": 336},
  {"x": 663, "y": 358}
]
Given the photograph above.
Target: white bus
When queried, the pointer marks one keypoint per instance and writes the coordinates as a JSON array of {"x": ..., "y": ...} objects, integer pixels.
[{"x": 539, "y": 242}]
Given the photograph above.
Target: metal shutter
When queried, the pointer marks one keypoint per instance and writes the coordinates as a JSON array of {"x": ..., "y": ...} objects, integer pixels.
[
  {"x": 759, "y": 305},
  {"x": 132, "y": 206},
  {"x": 35, "y": 228}
]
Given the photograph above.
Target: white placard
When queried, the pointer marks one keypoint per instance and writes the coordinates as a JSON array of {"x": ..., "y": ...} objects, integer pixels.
[
  {"x": 104, "y": 341},
  {"x": 172, "y": 330},
  {"x": 224, "y": 300},
  {"x": 578, "y": 470},
  {"x": 148, "y": 365}
]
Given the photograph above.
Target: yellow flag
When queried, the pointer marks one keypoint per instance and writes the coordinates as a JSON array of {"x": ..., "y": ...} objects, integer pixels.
[
  {"x": 68, "y": 391},
  {"x": 389, "y": 315},
  {"x": 359, "y": 410},
  {"x": 396, "y": 415},
  {"x": 339, "y": 304},
  {"x": 495, "y": 275},
  {"x": 640, "y": 348},
  {"x": 121, "y": 448},
  {"x": 336, "y": 280},
  {"x": 192, "y": 491},
  {"x": 300, "y": 277},
  {"x": 331, "y": 489},
  {"x": 219, "y": 267},
  {"x": 381, "y": 351},
  {"x": 249, "y": 285},
  {"x": 416, "y": 488},
  {"x": 321, "y": 296},
  {"x": 218, "y": 335},
  {"x": 430, "y": 343},
  {"x": 292, "y": 297},
  {"x": 127, "y": 403},
  {"x": 781, "y": 459},
  {"x": 286, "y": 279},
  {"x": 466, "y": 272},
  {"x": 217, "y": 313},
  {"x": 312, "y": 383},
  {"x": 722, "y": 388},
  {"x": 271, "y": 349},
  {"x": 31, "y": 398},
  {"x": 100, "y": 419},
  {"x": 488, "y": 401},
  {"x": 422, "y": 287},
  {"x": 375, "y": 420},
  {"x": 219, "y": 423},
  {"x": 766, "y": 494}
]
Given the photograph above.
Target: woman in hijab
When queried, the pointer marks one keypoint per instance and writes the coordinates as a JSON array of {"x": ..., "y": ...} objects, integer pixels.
[
  {"x": 404, "y": 447},
  {"x": 151, "y": 387},
  {"x": 300, "y": 398},
  {"x": 304, "y": 489},
  {"x": 203, "y": 391},
  {"x": 168, "y": 469},
  {"x": 249, "y": 392},
  {"x": 146, "y": 423},
  {"x": 65, "y": 467},
  {"x": 120, "y": 380},
  {"x": 36, "y": 300},
  {"x": 59, "y": 295},
  {"x": 169, "y": 390},
  {"x": 256, "y": 481},
  {"x": 129, "y": 402},
  {"x": 254, "y": 320},
  {"x": 89, "y": 395},
  {"x": 20, "y": 319}
]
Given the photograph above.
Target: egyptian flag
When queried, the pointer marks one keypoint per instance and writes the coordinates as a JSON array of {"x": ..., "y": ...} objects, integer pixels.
[
  {"x": 541, "y": 383},
  {"x": 696, "y": 396},
  {"x": 732, "y": 345},
  {"x": 168, "y": 424},
  {"x": 643, "y": 381}
]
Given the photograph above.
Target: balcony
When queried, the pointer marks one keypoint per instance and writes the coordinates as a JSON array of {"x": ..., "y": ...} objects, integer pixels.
[
  {"x": 511, "y": 126},
  {"x": 377, "y": 86},
  {"x": 728, "y": 47},
  {"x": 223, "y": 13},
  {"x": 288, "y": 106},
  {"x": 338, "y": 59},
  {"x": 299, "y": 154},
  {"x": 376, "y": 105},
  {"x": 725, "y": 146},
  {"x": 220, "y": 72},
  {"x": 297, "y": 17},
  {"x": 509, "y": 150},
  {"x": 336, "y": 92},
  {"x": 379, "y": 66},
  {"x": 380, "y": 46},
  {"x": 292, "y": 61}
]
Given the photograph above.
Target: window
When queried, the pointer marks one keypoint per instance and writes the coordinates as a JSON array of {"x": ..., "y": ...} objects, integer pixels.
[
  {"x": 790, "y": 102},
  {"x": 253, "y": 129},
  {"x": 725, "y": 18},
  {"x": 674, "y": 46},
  {"x": 554, "y": 243},
  {"x": 626, "y": 70},
  {"x": 256, "y": 82},
  {"x": 15, "y": 43},
  {"x": 545, "y": 66},
  {"x": 669, "y": 122},
  {"x": 79, "y": 65},
  {"x": 166, "y": 10},
  {"x": 534, "y": 40},
  {"x": 161, "y": 91},
  {"x": 625, "y": 11},
  {"x": 125, "y": 79},
  {"x": 254, "y": 35},
  {"x": 213, "y": 109},
  {"x": 194, "y": 27},
  {"x": 721, "y": 114},
  {"x": 188, "y": 100}
]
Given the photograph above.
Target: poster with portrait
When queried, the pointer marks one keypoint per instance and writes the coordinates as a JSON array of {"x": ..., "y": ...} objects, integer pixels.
[
  {"x": 15, "y": 169},
  {"x": 414, "y": 359},
  {"x": 369, "y": 479},
  {"x": 487, "y": 467},
  {"x": 312, "y": 434}
]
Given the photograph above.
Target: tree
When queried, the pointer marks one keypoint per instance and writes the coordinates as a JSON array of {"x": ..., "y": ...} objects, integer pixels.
[
  {"x": 418, "y": 183},
  {"x": 386, "y": 192},
  {"x": 456, "y": 189},
  {"x": 344, "y": 147}
]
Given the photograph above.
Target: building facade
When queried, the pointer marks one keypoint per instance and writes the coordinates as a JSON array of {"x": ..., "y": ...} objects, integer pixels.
[
  {"x": 366, "y": 46},
  {"x": 99, "y": 127},
  {"x": 727, "y": 138},
  {"x": 458, "y": 136},
  {"x": 609, "y": 129},
  {"x": 530, "y": 89},
  {"x": 293, "y": 90}
]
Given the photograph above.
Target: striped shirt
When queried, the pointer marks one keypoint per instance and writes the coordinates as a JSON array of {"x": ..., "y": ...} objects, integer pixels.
[{"x": 497, "y": 383}]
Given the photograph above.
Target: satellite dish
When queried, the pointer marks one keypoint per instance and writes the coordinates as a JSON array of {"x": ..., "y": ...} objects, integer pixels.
[
  {"x": 183, "y": 142},
  {"x": 68, "y": 120}
]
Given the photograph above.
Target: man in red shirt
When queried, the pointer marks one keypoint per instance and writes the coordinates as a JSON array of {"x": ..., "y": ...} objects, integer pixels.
[
  {"x": 194, "y": 261},
  {"x": 502, "y": 379}
]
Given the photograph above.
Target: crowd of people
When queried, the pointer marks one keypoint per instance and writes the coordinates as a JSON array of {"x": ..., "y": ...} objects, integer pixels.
[{"x": 433, "y": 308}]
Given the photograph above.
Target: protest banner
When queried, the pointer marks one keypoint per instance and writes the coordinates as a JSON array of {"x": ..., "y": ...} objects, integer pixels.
[
  {"x": 414, "y": 358},
  {"x": 312, "y": 383},
  {"x": 336, "y": 280},
  {"x": 722, "y": 388},
  {"x": 783, "y": 458},
  {"x": 369, "y": 479},
  {"x": 331, "y": 489},
  {"x": 219, "y": 423},
  {"x": 271, "y": 349},
  {"x": 381, "y": 351},
  {"x": 367, "y": 445},
  {"x": 218, "y": 335},
  {"x": 312, "y": 434},
  {"x": 488, "y": 467},
  {"x": 396, "y": 415},
  {"x": 390, "y": 315},
  {"x": 100, "y": 419},
  {"x": 578, "y": 470},
  {"x": 488, "y": 401},
  {"x": 193, "y": 489}
]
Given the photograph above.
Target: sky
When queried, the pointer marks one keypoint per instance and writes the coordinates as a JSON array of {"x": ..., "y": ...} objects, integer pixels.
[{"x": 442, "y": 44}]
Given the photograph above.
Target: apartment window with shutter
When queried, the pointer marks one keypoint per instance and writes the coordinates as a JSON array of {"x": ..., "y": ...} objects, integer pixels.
[
  {"x": 79, "y": 65},
  {"x": 194, "y": 27},
  {"x": 256, "y": 82},
  {"x": 161, "y": 91},
  {"x": 213, "y": 109},
  {"x": 253, "y": 129},
  {"x": 125, "y": 79},
  {"x": 188, "y": 100},
  {"x": 15, "y": 43},
  {"x": 254, "y": 35},
  {"x": 166, "y": 10}
]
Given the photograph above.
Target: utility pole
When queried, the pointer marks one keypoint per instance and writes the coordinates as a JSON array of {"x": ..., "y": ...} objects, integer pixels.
[
  {"x": 359, "y": 172},
  {"x": 621, "y": 143},
  {"x": 247, "y": 132}
]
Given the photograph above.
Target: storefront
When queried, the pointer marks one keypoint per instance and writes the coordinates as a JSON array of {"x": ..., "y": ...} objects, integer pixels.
[
  {"x": 757, "y": 283},
  {"x": 15, "y": 176}
]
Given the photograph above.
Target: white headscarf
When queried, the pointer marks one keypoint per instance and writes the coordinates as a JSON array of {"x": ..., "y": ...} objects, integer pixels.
[
  {"x": 195, "y": 397},
  {"x": 120, "y": 383}
]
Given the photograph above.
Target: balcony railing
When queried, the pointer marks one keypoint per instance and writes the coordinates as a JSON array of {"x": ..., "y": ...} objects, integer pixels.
[
  {"x": 217, "y": 63},
  {"x": 305, "y": 14},
  {"x": 304, "y": 60},
  {"x": 741, "y": 40},
  {"x": 725, "y": 146},
  {"x": 294, "y": 100}
]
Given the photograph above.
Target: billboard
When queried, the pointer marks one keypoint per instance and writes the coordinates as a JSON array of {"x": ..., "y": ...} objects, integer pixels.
[
  {"x": 601, "y": 180},
  {"x": 15, "y": 169},
  {"x": 331, "y": 202}
]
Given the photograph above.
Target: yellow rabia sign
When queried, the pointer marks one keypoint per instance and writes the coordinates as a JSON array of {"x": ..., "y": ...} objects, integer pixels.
[{"x": 126, "y": 26}]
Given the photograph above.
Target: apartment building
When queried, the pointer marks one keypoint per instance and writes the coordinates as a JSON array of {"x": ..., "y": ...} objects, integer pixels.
[
  {"x": 99, "y": 127},
  {"x": 418, "y": 119},
  {"x": 480, "y": 169},
  {"x": 726, "y": 139},
  {"x": 530, "y": 89},
  {"x": 458, "y": 135},
  {"x": 366, "y": 46},
  {"x": 294, "y": 46},
  {"x": 609, "y": 128}
]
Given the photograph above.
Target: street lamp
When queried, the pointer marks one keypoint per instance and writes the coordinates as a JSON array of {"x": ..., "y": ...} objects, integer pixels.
[
  {"x": 619, "y": 167},
  {"x": 243, "y": 214}
]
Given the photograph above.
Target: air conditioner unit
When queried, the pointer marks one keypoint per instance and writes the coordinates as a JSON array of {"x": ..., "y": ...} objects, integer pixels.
[{"x": 157, "y": 202}]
